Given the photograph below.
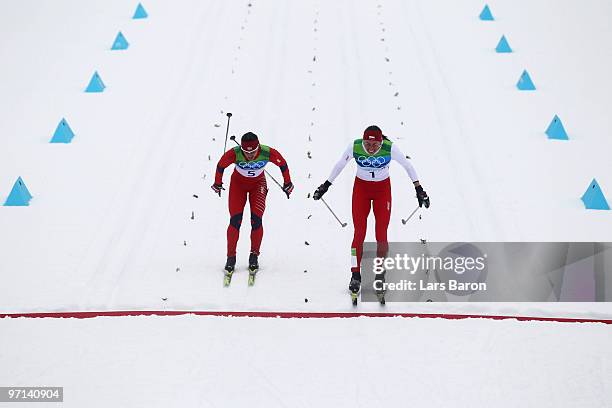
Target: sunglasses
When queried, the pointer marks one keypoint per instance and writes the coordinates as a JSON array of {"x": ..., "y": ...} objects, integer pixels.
[{"x": 250, "y": 151}]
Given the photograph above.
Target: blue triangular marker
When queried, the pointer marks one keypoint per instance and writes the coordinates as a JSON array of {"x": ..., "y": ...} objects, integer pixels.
[
  {"x": 95, "y": 84},
  {"x": 120, "y": 42},
  {"x": 503, "y": 46},
  {"x": 593, "y": 198},
  {"x": 486, "y": 14},
  {"x": 556, "y": 130},
  {"x": 525, "y": 83},
  {"x": 140, "y": 12},
  {"x": 19, "y": 196},
  {"x": 63, "y": 133}
]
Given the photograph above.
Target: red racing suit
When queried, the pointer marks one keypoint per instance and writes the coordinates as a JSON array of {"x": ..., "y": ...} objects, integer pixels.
[
  {"x": 248, "y": 180},
  {"x": 371, "y": 191}
]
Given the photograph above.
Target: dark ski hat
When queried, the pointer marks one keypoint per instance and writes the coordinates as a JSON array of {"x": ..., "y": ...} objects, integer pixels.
[
  {"x": 249, "y": 142},
  {"x": 373, "y": 133}
]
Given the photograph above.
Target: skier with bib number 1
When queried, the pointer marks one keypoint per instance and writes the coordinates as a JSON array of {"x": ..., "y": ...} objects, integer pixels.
[
  {"x": 248, "y": 179},
  {"x": 372, "y": 188}
]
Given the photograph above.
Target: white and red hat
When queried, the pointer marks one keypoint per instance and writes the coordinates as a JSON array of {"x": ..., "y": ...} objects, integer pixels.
[
  {"x": 373, "y": 133},
  {"x": 249, "y": 142}
]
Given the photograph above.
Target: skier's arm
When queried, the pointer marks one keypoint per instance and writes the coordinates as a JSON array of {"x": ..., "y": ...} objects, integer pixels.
[
  {"x": 228, "y": 158},
  {"x": 279, "y": 160},
  {"x": 341, "y": 164},
  {"x": 398, "y": 156}
]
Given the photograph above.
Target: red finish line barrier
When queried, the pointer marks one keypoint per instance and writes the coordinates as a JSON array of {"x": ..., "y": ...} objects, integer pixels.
[{"x": 295, "y": 315}]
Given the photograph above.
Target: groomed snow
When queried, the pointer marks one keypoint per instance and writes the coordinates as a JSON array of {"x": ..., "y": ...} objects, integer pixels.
[
  {"x": 110, "y": 217},
  {"x": 110, "y": 228},
  {"x": 192, "y": 361}
]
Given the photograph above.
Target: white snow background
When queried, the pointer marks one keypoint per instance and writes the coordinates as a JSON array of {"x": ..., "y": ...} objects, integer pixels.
[{"x": 111, "y": 213}]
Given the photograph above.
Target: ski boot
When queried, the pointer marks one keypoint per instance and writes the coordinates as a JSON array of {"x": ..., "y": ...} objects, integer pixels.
[
  {"x": 253, "y": 268},
  {"x": 379, "y": 280},
  {"x": 229, "y": 270},
  {"x": 355, "y": 287}
]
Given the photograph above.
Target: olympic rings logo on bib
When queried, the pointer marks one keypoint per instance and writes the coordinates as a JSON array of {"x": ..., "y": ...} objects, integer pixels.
[
  {"x": 252, "y": 165},
  {"x": 372, "y": 161}
]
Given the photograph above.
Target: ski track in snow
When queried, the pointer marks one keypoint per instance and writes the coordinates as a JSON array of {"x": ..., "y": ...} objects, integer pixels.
[{"x": 131, "y": 219}]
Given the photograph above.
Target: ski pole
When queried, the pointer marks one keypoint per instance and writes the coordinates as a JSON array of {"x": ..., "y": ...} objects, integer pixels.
[
  {"x": 410, "y": 216},
  {"x": 233, "y": 137},
  {"x": 229, "y": 115},
  {"x": 333, "y": 213}
]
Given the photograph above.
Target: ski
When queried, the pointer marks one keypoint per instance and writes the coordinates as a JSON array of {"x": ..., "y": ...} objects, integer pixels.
[
  {"x": 227, "y": 278},
  {"x": 355, "y": 287},
  {"x": 379, "y": 280},
  {"x": 354, "y": 296},
  {"x": 253, "y": 267},
  {"x": 252, "y": 274},
  {"x": 229, "y": 270},
  {"x": 380, "y": 296}
]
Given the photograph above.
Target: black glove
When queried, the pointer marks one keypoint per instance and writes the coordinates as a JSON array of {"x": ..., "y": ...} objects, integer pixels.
[
  {"x": 288, "y": 188},
  {"x": 422, "y": 196},
  {"x": 322, "y": 189},
  {"x": 217, "y": 188}
]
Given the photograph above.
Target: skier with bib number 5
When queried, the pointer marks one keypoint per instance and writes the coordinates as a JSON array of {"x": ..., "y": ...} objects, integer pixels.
[
  {"x": 248, "y": 179},
  {"x": 372, "y": 188}
]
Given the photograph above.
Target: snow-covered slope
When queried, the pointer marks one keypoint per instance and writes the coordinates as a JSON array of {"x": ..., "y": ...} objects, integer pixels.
[{"x": 110, "y": 224}]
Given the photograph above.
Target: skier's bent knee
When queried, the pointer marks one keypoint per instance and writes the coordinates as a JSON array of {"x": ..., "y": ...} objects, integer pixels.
[
  {"x": 256, "y": 221},
  {"x": 236, "y": 221}
]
